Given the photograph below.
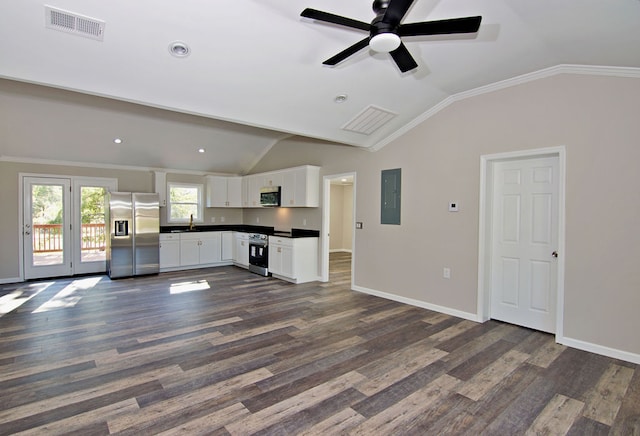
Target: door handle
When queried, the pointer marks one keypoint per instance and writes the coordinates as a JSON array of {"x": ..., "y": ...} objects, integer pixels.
[{"x": 554, "y": 254}]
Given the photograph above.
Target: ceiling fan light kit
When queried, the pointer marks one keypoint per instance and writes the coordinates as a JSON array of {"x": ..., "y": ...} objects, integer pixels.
[
  {"x": 384, "y": 42},
  {"x": 386, "y": 30}
]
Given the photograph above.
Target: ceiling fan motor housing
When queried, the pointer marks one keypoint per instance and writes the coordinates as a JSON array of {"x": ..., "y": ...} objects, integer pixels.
[{"x": 380, "y": 6}]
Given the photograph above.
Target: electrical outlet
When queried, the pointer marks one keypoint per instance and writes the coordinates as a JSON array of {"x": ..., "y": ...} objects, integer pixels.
[
  {"x": 257, "y": 219},
  {"x": 446, "y": 273},
  {"x": 213, "y": 219},
  {"x": 221, "y": 219},
  {"x": 304, "y": 222}
]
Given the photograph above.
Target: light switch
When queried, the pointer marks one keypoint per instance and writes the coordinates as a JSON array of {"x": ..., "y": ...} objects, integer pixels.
[
  {"x": 453, "y": 206},
  {"x": 358, "y": 225}
]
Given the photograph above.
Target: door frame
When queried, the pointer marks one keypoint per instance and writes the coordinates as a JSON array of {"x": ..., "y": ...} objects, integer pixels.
[
  {"x": 62, "y": 269},
  {"x": 326, "y": 219},
  {"x": 485, "y": 225},
  {"x": 73, "y": 179}
]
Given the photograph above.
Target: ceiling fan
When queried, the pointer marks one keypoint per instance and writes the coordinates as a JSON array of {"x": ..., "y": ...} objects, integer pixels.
[{"x": 386, "y": 30}]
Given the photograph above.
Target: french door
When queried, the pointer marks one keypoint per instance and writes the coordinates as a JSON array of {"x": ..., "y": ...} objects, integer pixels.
[
  {"x": 46, "y": 227},
  {"x": 63, "y": 225}
]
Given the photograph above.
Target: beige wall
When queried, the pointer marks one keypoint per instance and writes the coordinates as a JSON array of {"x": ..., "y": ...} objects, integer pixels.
[
  {"x": 595, "y": 118},
  {"x": 341, "y": 217}
]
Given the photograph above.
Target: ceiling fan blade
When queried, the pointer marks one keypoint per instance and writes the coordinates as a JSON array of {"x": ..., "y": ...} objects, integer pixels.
[
  {"x": 396, "y": 11},
  {"x": 335, "y": 19},
  {"x": 347, "y": 52},
  {"x": 441, "y": 27},
  {"x": 403, "y": 58}
]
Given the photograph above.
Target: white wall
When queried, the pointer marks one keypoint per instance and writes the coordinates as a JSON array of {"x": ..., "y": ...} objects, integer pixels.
[{"x": 594, "y": 117}]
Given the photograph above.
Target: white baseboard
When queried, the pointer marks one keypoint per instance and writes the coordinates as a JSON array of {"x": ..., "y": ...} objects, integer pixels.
[
  {"x": 422, "y": 304},
  {"x": 600, "y": 349},
  {"x": 573, "y": 343},
  {"x": 11, "y": 280}
]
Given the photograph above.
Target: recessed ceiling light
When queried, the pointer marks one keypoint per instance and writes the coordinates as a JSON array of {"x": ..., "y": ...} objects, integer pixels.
[
  {"x": 117, "y": 141},
  {"x": 201, "y": 150},
  {"x": 341, "y": 98},
  {"x": 179, "y": 49}
]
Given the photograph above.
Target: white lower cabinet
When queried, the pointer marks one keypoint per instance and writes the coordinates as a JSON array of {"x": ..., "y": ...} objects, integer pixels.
[
  {"x": 194, "y": 250},
  {"x": 227, "y": 241},
  {"x": 293, "y": 259},
  {"x": 169, "y": 250},
  {"x": 201, "y": 248},
  {"x": 241, "y": 249}
]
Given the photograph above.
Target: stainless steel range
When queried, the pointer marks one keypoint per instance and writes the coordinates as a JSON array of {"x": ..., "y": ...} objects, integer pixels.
[{"x": 259, "y": 254}]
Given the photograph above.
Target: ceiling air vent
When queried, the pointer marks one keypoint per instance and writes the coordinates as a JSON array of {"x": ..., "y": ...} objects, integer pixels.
[
  {"x": 71, "y": 22},
  {"x": 369, "y": 120}
]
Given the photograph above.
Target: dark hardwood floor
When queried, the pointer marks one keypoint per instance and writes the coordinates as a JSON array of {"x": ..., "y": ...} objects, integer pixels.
[{"x": 222, "y": 351}]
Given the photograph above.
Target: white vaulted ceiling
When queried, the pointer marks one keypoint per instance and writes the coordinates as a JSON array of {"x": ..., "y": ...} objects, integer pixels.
[{"x": 255, "y": 75}]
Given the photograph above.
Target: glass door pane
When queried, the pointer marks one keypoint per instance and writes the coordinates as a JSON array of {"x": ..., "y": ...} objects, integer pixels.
[
  {"x": 92, "y": 229},
  {"x": 46, "y": 217}
]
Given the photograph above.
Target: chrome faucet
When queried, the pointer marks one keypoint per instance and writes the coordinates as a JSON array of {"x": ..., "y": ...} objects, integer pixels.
[{"x": 191, "y": 226}]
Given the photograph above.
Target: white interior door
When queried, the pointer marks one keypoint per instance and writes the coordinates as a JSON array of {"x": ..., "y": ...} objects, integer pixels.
[
  {"x": 46, "y": 227},
  {"x": 525, "y": 242}
]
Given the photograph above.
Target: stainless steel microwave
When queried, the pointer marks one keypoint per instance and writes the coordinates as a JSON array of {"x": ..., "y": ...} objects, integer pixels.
[{"x": 270, "y": 196}]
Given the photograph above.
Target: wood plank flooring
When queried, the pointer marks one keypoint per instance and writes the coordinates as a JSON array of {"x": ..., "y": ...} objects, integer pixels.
[{"x": 221, "y": 351}]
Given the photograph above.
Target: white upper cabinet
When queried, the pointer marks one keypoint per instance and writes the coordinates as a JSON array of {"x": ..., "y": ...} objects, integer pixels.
[
  {"x": 272, "y": 179},
  {"x": 301, "y": 187},
  {"x": 252, "y": 185},
  {"x": 160, "y": 184},
  {"x": 224, "y": 191}
]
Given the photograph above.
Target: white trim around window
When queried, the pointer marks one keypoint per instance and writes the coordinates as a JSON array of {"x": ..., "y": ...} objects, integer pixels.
[{"x": 194, "y": 205}]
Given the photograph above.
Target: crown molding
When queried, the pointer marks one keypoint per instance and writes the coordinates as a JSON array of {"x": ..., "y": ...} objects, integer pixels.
[{"x": 588, "y": 70}]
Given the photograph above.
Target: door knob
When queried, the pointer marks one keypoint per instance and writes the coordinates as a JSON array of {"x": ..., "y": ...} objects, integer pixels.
[{"x": 554, "y": 254}]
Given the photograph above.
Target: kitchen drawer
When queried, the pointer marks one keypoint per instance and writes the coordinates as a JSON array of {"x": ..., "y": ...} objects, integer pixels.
[
  {"x": 279, "y": 240},
  {"x": 169, "y": 237},
  {"x": 193, "y": 236}
]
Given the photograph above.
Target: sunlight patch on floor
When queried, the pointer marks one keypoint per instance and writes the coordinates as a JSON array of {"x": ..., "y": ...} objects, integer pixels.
[
  {"x": 69, "y": 296},
  {"x": 20, "y": 296},
  {"x": 180, "y": 288}
]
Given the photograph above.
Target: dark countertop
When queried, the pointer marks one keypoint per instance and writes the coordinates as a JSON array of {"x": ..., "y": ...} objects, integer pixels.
[{"x": 295, "y": 233}]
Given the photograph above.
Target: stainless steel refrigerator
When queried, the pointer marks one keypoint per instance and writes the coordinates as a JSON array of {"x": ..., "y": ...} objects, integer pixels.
[{"x": 133, "y": 244}]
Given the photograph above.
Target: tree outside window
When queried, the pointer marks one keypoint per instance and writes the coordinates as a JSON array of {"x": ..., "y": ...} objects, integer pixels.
[{"x": 185, "y": 200}]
